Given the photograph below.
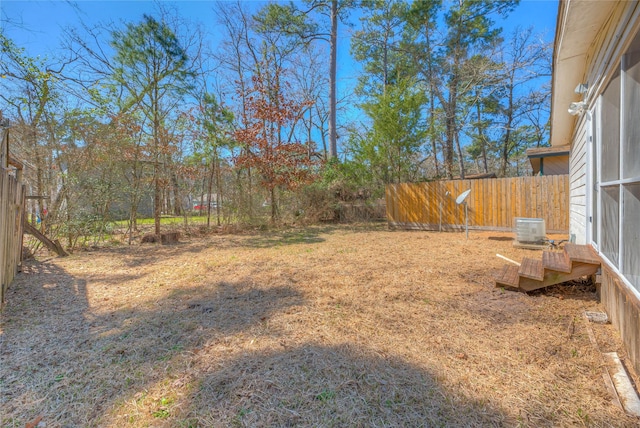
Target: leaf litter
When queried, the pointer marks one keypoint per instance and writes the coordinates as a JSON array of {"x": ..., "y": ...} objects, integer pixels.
[{"x": 321, "y": 326}]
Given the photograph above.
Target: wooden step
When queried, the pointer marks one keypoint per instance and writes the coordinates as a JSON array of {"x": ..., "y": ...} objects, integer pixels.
[
  {"x": 532, "y": 269},
  {"x": 558, "y": 261},
  {"x": 555, "y": 267},
  {"x": 581, "y": 253},
  {"x": 551, "y": 277},
  {"x": 508, "y": 277}
]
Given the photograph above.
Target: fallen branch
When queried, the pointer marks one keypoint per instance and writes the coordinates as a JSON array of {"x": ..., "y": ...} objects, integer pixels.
[{"x": 54, "y": 246}]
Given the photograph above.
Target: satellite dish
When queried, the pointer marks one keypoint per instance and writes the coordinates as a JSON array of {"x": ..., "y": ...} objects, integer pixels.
[{"x": 460, "y": 199}]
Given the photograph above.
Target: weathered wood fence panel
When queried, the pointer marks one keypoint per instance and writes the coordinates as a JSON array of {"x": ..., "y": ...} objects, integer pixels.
[
  {"x": 494, "y": 203},
  {"x": 11, "y": 212}
]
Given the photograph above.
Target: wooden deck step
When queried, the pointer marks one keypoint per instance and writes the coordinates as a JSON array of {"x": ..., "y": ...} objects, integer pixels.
[
  {"x": 531, "y": 268},
  {"x": 556, "y": 261},
  {"x": 508, "y": 277},
  {"x": 581, "y": 253}
]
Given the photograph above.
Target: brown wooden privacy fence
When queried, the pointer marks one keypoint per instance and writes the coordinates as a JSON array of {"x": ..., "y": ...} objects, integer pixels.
[
  {"x": 493, "y": 203},
  {"x": 11, "y": 212}
]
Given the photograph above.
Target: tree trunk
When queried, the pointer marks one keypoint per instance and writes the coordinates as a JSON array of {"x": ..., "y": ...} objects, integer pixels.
[
  {"x": 250, "y": 192},
  {"x": 273, "y": 205},
  {"x": 432, "y": 107},
  {"x": 507, "y": 137},
  {"x": 447, "y": 148},
  {"x": 209, "y": 193},
  {"x": 39, "y": 179},
  {"x": 177, "y": 199},
  {"x": 218, "y": 189},
  {"x": 483, "y": 143},
  {"x": 451, "y": 126},
  {"x": 156, "y": 170},
  {"x": 333, "y": 134},
  {"x": 460, "y": 156},
  {"x": 505, "y": 150},
  {"x": 135, "y": 199},
  {"x": 309, "y": 148},
  {"x": 156, "y": 198},
  {"x": 204, "y": 182},
  {"x": 132, "y": 222},
  {"x": 432, "y": 133}
]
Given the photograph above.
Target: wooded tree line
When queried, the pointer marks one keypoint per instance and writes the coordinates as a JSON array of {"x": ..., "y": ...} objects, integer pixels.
[{"x": 153, "y": 116}]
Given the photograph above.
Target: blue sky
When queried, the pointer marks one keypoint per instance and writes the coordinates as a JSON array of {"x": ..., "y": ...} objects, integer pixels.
[
  {"x": 36, "y": 25},
  {"x": 42, "y": 18}
]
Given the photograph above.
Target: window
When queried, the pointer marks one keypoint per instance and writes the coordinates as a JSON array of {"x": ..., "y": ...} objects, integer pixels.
[
  {"x": 593, "y": 179},
  {"x": 631, "y": 232},
  {"x": 611, "y": 130},
  {"x": 631, "y": 128},
  {"x": 619, "y": 154},
  {"x": 594, "y": 183},
  {"x": 609, "y": 221}
]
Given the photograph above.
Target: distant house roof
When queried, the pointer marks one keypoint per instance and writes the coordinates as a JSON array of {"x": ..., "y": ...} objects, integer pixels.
[
  {"x": 477, "y": 176},
  {"x": 543, "y": 152},
  {"x": 557, "y": 160}
]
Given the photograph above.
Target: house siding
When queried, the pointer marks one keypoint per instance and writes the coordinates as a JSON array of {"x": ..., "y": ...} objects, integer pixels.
[
  {"x": 555, "y": 165},
  {"x": 621, "y": 302},
  {"x": 577, "y": 185},
  {"x": 623, "y": 307}
]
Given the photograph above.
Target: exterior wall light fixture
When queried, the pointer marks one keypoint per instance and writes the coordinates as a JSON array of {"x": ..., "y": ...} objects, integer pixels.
[{"x": 577, "y": 108}]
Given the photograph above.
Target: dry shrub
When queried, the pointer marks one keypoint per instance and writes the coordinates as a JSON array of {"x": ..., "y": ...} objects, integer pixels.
[{"x": 362, "y": 211}]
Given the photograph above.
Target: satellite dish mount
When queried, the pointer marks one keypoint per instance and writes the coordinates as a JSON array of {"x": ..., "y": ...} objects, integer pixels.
[
  {"x": 446, "y": 194},
  {"x": 462, "y": 199}
]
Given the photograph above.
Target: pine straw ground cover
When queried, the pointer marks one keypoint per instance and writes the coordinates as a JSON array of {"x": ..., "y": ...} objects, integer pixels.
[{"x": 317, "y": 327}]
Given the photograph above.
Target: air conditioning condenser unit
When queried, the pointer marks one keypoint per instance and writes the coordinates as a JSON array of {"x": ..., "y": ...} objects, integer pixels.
[{"x": 530, "y": 231}]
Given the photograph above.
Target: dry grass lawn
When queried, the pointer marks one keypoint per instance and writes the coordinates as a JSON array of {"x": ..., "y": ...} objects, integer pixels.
[{"x": 317, "y": 327}]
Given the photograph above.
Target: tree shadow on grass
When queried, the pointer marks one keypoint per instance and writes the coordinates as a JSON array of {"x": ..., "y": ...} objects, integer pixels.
[
  {"x": 305, "y": 235},
  {"x": 44, "y": 338},
  {"x": 320, "y": 386},
  {"x": 68, "y": 362},
  {"x": 146, "y": 254},
  {"x": 292, "y": 237},
  {"x": 189, "y": 317},
  {"x": 500, "y": 238},
  {"x": 149, "y": 254},
  {"x": 78, "y": 365}
]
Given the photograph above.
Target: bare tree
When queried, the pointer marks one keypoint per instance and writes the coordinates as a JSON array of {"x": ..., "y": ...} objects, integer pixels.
[{"x": 525, "y": 59}]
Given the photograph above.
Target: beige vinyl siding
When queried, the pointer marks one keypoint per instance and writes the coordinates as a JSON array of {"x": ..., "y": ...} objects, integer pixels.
[
  {"x": 577, "y": 185},
  {"x": 555, "y": 165},
  {"x": 602, "y": 57}
]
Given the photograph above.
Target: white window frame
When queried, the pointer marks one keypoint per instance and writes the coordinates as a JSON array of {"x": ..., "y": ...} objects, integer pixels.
[
  {"x": 619, "y": 182},
  {"x": 593, "y": 180}
]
